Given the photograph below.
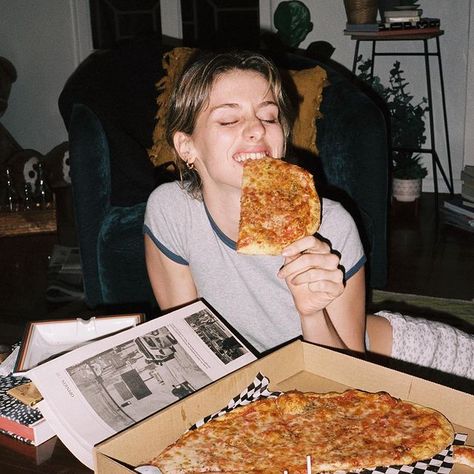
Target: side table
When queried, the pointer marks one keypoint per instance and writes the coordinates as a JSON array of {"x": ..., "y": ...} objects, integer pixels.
[
  {"x": 27, "y": 222},
  {"x": 424, "y": 37}
]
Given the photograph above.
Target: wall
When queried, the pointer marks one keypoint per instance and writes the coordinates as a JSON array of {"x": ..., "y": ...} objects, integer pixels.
[
  {"x": 45, "y": 41},
  {"x": 469, "y": 124},
  {"x": 55, "y": 38},
  {"x": 329, "y": 20}
]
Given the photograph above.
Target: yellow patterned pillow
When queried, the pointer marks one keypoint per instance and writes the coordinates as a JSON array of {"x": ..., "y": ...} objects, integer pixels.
[
  {"x": 309, "y": 87},
  {"x": 173, "y": 63}
]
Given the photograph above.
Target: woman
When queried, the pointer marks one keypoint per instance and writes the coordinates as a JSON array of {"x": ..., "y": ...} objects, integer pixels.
[{"x": 226, "y": 109}]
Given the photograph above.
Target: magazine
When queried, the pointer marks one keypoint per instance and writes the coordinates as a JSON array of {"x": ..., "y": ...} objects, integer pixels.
[{"x": 97, "y": 390}]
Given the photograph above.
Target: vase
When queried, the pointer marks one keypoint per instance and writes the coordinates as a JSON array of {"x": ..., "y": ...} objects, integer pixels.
[
  {"x": 406, "y": 190},
  {"x": 361, "y": 11}
]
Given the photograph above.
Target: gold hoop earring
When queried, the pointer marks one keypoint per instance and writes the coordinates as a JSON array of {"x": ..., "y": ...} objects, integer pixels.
[{"x": 189, "y": 165}]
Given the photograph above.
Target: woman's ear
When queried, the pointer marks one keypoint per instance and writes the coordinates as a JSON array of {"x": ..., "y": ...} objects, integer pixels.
[{"x": 183, "y": 145}]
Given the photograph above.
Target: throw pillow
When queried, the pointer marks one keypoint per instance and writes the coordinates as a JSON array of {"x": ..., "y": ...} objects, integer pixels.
[
  {"x": 308, "y": 83},
  {"x": 173, "y": 63}
]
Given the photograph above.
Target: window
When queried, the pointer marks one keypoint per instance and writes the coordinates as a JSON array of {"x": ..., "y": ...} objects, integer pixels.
[
  {"x": 221, "y": 23},
  {"x": 118, "y": 20}
]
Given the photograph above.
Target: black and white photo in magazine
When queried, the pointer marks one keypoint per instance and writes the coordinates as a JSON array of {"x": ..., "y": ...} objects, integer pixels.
[
  {"x": 216, "y": 336},
  {"x": 135, "y": 379}
]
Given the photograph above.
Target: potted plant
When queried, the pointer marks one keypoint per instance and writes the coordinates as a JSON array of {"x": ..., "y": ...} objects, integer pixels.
[
  {"x": 407, "y": 129},
  {"x": 407, "y": 176},
  {"x": 361, "y": 11}
]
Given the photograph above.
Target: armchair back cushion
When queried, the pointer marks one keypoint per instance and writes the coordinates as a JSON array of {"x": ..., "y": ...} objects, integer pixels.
[{"x": 109, "y": 107}]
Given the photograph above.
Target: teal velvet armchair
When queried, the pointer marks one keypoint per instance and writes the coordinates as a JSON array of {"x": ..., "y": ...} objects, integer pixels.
[{"x": 108, "y": 105}]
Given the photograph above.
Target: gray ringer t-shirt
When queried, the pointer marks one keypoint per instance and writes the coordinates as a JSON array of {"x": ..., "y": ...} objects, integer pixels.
[{"x": 244, "y": 289}]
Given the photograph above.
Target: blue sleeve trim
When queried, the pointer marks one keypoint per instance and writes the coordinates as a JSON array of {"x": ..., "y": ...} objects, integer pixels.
[
  {"x": 356, "y": 267},
  {"x": 171, "y": 255}
]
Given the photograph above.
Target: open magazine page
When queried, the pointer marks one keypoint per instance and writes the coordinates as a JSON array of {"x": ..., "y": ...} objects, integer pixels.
[{"x": 106, "y": 386}]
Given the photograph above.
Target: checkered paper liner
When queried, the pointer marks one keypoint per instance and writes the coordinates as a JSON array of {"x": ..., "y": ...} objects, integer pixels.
[
  {"x": 256, "y": 390},
  {"x": 442, "y": 463}
]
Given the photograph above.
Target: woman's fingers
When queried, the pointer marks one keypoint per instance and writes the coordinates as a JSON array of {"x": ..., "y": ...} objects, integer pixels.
[
  {"x": 309, "y": 261},
  {"x": 329, "y": 282},
  {"x": 314, "y": 275},
  {"x": 307, "y": 244}
]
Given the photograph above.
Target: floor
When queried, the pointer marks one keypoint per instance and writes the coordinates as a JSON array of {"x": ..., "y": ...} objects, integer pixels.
[{"x": 425, "y": 258}]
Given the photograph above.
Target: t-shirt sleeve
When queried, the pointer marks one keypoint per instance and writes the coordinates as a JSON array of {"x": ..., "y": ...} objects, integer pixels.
[
  {"x": 339, "y": 228},
  {"x": 165, "y": 222}
]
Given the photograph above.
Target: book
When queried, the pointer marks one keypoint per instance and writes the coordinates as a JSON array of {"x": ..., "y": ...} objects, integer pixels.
[
  {"x": 468, "y": 170},
  {"x": 108, "y": 385},
  {"x": 18, "y": 420},
  {"x": 457, "y": 220},
  {"x": 467, "y": 192},
  {"x": 364, "y": 27},
  {"x": 403, "y": 13},
  {"x": 455, "y": 205},
  {"x": 403, "y": 19},
  {"x": 37, "y": 454},
  {"x": 467, "y": 178},
  {"x": 395, "y": 32}
]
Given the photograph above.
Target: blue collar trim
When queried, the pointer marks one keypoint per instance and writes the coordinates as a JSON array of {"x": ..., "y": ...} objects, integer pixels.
[{"x": 226, "y": 240}]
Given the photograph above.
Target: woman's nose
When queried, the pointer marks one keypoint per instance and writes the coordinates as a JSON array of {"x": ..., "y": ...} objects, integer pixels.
[{"x": 254, "y": 129}]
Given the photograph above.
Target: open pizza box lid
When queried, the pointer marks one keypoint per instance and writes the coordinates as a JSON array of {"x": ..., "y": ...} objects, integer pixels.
[{"x": 299, "y": 365}]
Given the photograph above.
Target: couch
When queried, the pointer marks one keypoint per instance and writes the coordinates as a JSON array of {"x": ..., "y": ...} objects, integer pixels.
[{"x": 108, "y": 106}]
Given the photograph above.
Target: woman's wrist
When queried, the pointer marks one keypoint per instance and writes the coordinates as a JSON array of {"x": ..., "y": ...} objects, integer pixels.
[{"x": 318, "y": 328}]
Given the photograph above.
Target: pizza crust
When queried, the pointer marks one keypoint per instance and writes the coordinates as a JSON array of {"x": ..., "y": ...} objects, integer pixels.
[{"x": 463, "y": 455}]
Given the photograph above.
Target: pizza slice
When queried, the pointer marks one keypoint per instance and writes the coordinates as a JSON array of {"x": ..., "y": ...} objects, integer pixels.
[
  {"x": 279, "y": 205},
  {"x": 346, "y": 431},
  {"x": 230, "y": 443}
]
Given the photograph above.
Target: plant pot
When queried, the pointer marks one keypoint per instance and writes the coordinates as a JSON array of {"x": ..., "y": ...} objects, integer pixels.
[
  {"x": 361, "y": 11},
  {"x": 406, "y": 190}
]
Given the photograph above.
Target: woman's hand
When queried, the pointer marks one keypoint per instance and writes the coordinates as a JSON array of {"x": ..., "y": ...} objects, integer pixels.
[{"x": 312, "y": 274}]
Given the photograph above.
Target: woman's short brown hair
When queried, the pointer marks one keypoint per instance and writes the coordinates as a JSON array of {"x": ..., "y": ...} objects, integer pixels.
[{"x": 191, "y": 93}]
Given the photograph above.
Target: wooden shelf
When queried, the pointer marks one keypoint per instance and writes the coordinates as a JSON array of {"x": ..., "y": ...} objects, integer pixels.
[{"x": 27, "y": 222}]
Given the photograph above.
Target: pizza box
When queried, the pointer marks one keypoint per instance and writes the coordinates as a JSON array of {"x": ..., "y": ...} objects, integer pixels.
[{"x": 298, "y": 365}]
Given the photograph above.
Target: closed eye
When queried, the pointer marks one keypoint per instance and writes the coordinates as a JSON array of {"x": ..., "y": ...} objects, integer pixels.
[{"x": 226, "y": 124}]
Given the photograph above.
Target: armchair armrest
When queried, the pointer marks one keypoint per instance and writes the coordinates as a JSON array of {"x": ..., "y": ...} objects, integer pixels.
[{"x": 90, "y": 177}]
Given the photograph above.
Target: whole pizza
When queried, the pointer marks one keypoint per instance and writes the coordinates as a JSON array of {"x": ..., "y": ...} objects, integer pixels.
[
  {"x": 346, "y": 431},
  {"x": 279, "y": 204}
]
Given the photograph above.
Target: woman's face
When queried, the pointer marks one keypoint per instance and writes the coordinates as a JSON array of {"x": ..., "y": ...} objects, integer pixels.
[{"x": 241, "y": 122}]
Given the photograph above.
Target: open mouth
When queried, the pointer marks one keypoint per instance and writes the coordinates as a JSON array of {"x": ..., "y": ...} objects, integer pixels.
[{"x": 241, "y": 157}]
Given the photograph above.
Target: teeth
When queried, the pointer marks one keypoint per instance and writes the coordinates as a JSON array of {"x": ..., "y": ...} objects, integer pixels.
[{"x": 240, "y": 157}]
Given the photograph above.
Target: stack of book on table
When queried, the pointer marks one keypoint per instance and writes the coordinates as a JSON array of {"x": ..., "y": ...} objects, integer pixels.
[
  {"x": 401, "y": 20},
  {"x": 410, "y": 16},
  {"x": 457, "y": 214}
]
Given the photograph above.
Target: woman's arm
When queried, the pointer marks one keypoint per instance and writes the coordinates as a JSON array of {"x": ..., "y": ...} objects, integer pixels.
[
  {"x": 172, "y": 282},
  {"x": 331, "y": 314},
  {"x": 347, "y": 312}
]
